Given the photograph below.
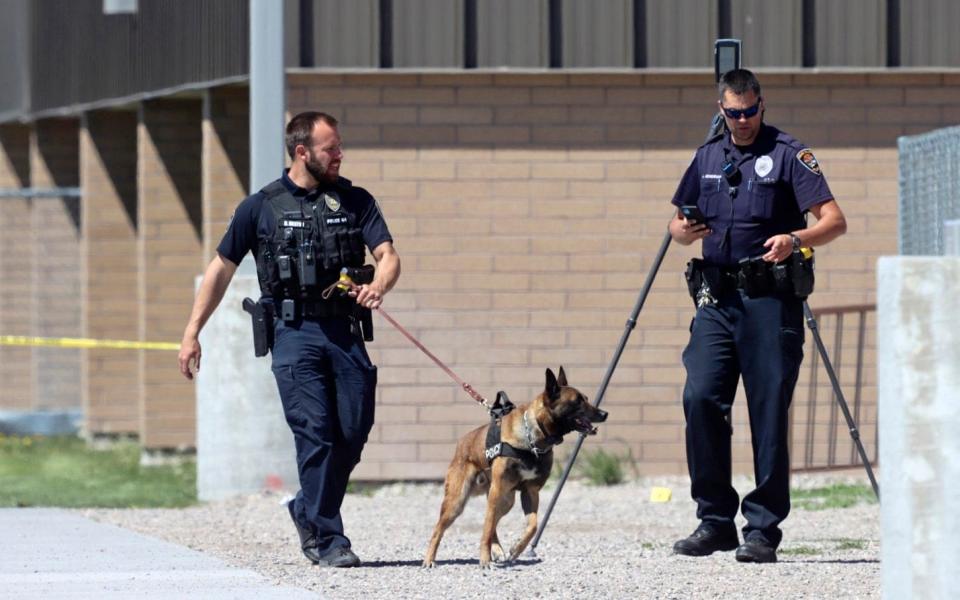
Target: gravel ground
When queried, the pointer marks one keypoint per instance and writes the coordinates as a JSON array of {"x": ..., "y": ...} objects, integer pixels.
[{"x": 602, "y": 542}]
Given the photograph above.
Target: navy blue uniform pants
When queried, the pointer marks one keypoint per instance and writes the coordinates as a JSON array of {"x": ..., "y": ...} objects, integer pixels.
[
  {"x": 760, "y": 339},
  {"x": 327, "y": 386}
]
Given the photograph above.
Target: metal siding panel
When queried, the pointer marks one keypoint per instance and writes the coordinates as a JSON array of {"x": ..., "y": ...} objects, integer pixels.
[
  {"x": 680, "y": 33},
  {"x": 928, "y": 33},
  {"x": 346, "y": 34},
  {"x": 14, "y": 56},
  {"x": 770, "y": 31},
  {"x": 512, "y": 34},
  {"x": 80, "y": 55},
  {"x": 851, "y": 33},
  {"x": 427, "y": 33},
  {"x": 598, "y": 33},
  {"x": 291, "y": 33}
]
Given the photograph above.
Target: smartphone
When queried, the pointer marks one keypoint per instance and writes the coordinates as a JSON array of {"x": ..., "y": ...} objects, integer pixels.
[{"x": 692, "y": 213}]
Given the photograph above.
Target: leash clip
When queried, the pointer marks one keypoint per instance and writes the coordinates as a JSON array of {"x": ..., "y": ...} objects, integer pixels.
[{"x": 501, "y": 406}]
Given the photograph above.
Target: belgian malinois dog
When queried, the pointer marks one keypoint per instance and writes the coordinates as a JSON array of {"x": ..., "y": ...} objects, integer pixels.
[{"x": 531, "y": 430}]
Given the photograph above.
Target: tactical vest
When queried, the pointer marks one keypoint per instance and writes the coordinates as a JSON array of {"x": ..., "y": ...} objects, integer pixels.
[{"x": 310, "y": 243}]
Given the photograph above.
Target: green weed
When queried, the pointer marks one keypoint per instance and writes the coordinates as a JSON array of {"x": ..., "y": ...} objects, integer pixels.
[
  {"x": 850, "y": 544},
  {"x": 799, "y": 551},
  {"x": 839, "y": 495},
  {"x": 601, "y": 468}
]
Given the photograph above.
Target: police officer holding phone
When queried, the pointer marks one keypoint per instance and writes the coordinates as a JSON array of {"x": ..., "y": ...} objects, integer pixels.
[
  {"x": 746, "y": 195},
  {"x": 303, "y": 229}
]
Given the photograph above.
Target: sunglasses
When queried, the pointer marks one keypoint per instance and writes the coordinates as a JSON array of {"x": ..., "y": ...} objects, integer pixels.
[{"x": 749, "y": 112}]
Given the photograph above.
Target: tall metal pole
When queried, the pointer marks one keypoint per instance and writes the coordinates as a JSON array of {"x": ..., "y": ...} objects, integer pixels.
[
  {"x": 726, "y": 57},
  {"x": 631, "y": 323},
  {"x": 267, "y": 99}
]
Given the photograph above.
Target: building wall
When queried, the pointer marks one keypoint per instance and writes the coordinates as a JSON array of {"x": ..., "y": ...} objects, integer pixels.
[
  {"x": 108, "y": 159},
  {"x": 226, "y": 160},
  {"x": 527, "y": 210},
  {"x": 54, "y": 253},
  {"x": 16, "y": 364},
  {"x": 170, "y": 257}
]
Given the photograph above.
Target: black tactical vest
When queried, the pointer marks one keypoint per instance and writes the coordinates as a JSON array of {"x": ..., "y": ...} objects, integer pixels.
[{"x": 310, "y": 243}]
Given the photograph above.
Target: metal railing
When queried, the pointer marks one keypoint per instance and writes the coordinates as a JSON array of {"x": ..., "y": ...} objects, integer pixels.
[{"x": 820, "y": 436}]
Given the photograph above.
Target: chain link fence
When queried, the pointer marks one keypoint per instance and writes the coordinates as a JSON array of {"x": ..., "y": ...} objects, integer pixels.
[{"x": 929, "y": 191}]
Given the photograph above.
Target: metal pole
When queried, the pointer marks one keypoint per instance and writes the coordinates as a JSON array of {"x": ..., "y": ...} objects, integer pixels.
[
  {"x": 716, "y": 126},
  {"x": 838, "y": 394},
  {"x": 267, "y": 99},
  {"x": 631, "y": 323}
]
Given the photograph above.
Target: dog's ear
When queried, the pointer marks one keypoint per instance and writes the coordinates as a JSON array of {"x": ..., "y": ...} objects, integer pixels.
[
  {"x": 562, "y": 377},
  {"x": 552, "y": 390}
]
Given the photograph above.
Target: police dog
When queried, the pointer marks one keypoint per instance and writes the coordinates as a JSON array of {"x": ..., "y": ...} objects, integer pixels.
[{"x": 532, "y": 430}]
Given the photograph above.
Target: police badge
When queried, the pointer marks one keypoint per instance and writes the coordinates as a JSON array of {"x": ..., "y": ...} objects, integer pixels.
[{"x": 333, "y": 203}]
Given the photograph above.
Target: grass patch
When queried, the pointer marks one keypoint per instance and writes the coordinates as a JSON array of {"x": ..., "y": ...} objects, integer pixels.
[
  {"x": 601, "y": 468},
  {"x": 851, "y": 544},
  {"x": 366, "y": 489},
  {"x": 799, "y": 551},
  {"x": 839, "y": 495},
  {"x": 64, "y": 472}
]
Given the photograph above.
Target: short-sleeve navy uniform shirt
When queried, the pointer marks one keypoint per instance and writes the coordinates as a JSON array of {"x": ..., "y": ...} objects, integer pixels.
[
  {"x": 779, "y": 181},
  {"x": 251, "y": 223}
]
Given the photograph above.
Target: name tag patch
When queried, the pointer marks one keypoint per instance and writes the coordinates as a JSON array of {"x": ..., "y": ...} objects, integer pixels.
[{"x": 296, "y": 224}]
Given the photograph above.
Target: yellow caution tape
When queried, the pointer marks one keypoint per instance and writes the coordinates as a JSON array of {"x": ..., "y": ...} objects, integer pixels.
[
  {"x": 660, "y": 494},
  {"x": 20, "y": 340}
]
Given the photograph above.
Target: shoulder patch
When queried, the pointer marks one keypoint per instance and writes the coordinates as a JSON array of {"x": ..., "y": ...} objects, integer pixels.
[{"x": 808, "y": 160}]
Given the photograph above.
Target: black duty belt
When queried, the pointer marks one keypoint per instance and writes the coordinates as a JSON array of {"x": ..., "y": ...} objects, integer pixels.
[{"x": 325, "y": 308}]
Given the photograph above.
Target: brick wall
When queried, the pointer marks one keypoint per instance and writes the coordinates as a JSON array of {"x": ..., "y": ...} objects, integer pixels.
[
  {"x": 226, "y": 161},
  {"x": 16, "y": 363},
  {"x": 54, "y": 250},
  {"x": 108, "y": 175},
  {"x": 170, "y": 257},
  {"x": 527, "y": 209}
]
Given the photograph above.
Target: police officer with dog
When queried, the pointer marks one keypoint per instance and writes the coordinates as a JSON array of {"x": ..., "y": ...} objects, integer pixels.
[
  {"x": 746, "y": 195},
  {"x": 305, "y": 230}
]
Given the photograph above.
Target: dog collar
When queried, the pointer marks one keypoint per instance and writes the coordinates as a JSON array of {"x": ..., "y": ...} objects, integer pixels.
[{"x": 551, "y": 440}]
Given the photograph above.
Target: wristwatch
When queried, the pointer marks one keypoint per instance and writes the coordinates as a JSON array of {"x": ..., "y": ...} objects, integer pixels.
[{"x": 796, "y": 241}]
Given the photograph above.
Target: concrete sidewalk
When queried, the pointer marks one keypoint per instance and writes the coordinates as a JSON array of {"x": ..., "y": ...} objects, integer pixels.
[{"x": 51, "y": 553}]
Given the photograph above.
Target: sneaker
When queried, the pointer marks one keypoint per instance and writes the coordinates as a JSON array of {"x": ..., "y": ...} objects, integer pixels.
[
  {"x": 757, "y": 551},
  {"x": 705, "y": 541},
  {"x": 308, "y": 541},
  {"x": 340, "y": 558}
]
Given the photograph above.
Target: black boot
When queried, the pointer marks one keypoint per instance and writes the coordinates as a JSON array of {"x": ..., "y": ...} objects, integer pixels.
[
  {"x": 706, "y": 540},
  {"x": 340, "y": 557},
  {"x": 308, "y": 541},
  {"x": 756, "y": 550}
]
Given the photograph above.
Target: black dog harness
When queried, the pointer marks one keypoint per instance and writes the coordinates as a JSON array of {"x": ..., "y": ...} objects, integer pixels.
[{"x": 495, "y": 446}]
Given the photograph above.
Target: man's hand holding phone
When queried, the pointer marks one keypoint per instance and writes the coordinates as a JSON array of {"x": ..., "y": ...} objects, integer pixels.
[{"x": 691, "y": 225}]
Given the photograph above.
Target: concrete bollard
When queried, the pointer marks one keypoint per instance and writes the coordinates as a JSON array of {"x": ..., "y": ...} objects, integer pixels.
[
  {"x": 918, "y": 344},
  {"x": 243, "y": 442}
]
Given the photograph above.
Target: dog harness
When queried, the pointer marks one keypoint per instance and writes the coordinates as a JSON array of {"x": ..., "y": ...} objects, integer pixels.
[{"x": 495, "y": 446}]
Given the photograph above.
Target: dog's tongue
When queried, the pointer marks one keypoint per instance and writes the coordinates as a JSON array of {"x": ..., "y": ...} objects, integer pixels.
[{"x": 584, "y": 426}]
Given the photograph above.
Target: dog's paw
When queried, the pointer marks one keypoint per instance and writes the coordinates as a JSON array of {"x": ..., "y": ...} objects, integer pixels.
[
  {"x": 428, "y": 564},
  {"x": 485, "y": 563},
  {"x": 497, "y": 553}
]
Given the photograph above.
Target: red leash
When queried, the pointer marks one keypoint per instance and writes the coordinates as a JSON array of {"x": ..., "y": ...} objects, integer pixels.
[{"x": 346, "y": 284}]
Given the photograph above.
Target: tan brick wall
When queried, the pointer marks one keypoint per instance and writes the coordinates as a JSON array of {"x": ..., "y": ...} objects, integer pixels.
[
  {"x": 226, "y": 160},
  {"x": 16, "y": 363},
  {"x": 55, "y": 247},
  {"x": 108, "y": 175},
  {"x": 170, "y": 256},
  {"x": 528, "y": 208}
]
